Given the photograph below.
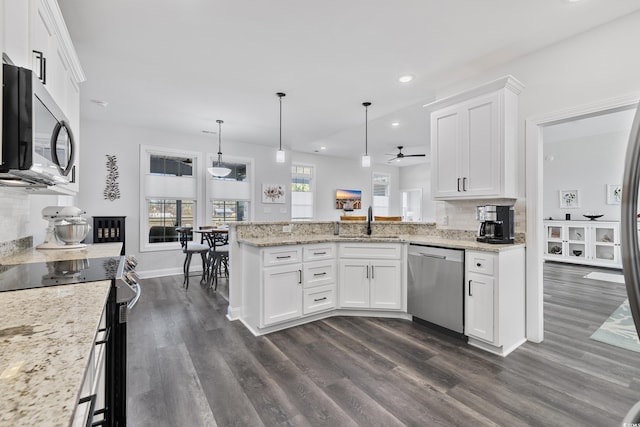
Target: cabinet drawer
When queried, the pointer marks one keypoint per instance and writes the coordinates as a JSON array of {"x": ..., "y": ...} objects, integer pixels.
[
  {"x": 319, "y": 273},
  {"x": 480, "y": 262},
  {"x": 281, "y": 255},
  {"x": 318, "y": 252},
  {"x": 319, "y": 298},
  {"x": 370, "y": 250}
]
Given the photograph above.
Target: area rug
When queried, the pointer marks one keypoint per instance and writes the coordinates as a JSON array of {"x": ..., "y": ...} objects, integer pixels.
[
  {"x": 609, "y": 277},
  {"x": 619, "y": 329}
]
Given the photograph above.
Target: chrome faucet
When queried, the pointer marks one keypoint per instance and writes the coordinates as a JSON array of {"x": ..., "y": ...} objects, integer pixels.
[{"x": 369, "y": 218}]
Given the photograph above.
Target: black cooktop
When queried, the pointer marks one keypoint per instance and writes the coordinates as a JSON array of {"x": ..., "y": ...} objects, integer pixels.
[{"x": 42, "y": 274}]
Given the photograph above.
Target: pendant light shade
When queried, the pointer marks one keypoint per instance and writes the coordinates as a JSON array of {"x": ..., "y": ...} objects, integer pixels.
[
  {"x": 219, "y": 169},
  {"x": 366, "y": 159},
  {"x": 280, "y": 158}
]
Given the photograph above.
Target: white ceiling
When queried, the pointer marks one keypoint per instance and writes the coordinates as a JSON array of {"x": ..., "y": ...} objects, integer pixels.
[{"x": 180, "y": 65}]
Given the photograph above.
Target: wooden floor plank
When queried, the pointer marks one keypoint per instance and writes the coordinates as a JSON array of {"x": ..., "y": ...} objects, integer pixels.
[{"x": 188, "y": 365}]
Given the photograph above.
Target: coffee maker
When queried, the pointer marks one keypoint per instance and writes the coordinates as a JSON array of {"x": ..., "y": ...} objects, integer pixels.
[{"x": 496, "y": 223}]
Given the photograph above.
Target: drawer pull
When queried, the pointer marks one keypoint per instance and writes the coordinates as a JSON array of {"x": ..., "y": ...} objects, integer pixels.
[
  {"x": 478, "y": 265},
  {"x": 319, "y": 299},
  {"x": 319, "y": 253},
  {"x": 470, "y": 294},
  {"x": 283, "y": 256},
  {"x": 320, "y": 274}
]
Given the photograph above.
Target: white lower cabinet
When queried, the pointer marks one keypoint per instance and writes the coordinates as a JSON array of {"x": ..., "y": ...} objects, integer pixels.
[
  {"x": 367, "y": 280},
  {"x": 583, "y": 242},
  {"x": 495, "y": 300},
  {"x": 282, "y": 293},
  {"x": 479, "y": 306},
  {"x": 297, "y": 281}
]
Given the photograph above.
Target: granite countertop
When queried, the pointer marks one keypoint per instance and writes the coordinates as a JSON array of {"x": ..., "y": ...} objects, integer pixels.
[
  {"x": 47, "y": 335},
  {"x": 46, "y": 338},
  {"x": 32, "y": 255},
  {"x": 419, "y": 239}
]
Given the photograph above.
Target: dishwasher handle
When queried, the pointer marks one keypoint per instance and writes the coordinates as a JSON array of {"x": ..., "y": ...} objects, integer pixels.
[{"x": 433, "y": 256}]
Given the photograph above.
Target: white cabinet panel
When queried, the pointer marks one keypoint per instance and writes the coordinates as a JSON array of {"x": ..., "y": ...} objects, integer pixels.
[
  {"x": 282, "y": 294},
  {"x": 354, "y": 283},
  {"x": 319, "y": 273},
  {"x": 479, "y": 307},
  {"x": 385, "y": 287},
  {"x": 280, "y": 255},
  {"x": 583, "y": 242},
  {"x": 319, "y": 298}
]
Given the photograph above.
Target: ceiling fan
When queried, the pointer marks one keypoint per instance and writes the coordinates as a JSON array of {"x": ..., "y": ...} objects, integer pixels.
[{"x": 400, "y": 155}]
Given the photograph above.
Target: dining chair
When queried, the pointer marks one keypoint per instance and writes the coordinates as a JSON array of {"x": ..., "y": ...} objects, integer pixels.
[{"x": 189, "y": 248}]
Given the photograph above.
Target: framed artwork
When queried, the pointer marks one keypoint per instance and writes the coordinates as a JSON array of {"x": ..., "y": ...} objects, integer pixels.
[
  {"x": 348, "y": 200},
  {"x": 614, "y": 194},
  {"x": 273, "y": 193},
  {"x": 569, "y": 199}
]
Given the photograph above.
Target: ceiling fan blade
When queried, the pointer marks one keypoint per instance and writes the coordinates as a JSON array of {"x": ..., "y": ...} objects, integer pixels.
[
  {"x": 391, "y": 160},
  {"x": 415, "y": 155}
]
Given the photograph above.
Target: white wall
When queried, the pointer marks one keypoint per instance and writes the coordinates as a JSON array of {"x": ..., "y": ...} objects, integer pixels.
[
  {"x": 334, "y": 173},
  {"x": 593, "y": 66},
  {"x": 100, "y": 139},
  {"x": 419, "y": 176},
  {"x": 586, "y": 164}
]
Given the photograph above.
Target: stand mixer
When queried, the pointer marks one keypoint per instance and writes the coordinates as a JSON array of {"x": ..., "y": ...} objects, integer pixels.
[{"x": 64, "y": 216}]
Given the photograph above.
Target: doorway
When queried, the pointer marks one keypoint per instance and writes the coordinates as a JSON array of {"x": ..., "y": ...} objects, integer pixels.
[
  {"x": 412, "y": 205},
  {"x": 534, "y": 186}
]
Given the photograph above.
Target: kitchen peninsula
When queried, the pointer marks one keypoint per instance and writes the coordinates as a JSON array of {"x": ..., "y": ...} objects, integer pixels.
[
  {"x": 48, "y": 341},
  {"x": 283, "y": 279}
]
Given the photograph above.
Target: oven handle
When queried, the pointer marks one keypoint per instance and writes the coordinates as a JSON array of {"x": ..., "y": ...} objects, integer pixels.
[{"x": 135, "y": 299}]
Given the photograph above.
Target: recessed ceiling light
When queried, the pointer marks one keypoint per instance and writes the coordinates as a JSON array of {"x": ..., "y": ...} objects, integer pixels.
[
  {"x": 405, "y": 79},
  {"x": 323, "y": 148},
  {"x": 395, "y": 124},
  {"x": 573, "y": 1}
]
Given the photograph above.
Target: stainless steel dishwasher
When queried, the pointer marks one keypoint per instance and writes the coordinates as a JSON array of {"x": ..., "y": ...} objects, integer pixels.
[{"x": 436, "y": 286}]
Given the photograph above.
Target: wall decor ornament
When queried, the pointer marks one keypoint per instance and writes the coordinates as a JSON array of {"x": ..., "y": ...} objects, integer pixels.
[
  {"x": 273, "y": 193},
  {"x": 111, "y": 189},
  {"x": 569, "y": 199},
  {"x": 614, "y": 194}
]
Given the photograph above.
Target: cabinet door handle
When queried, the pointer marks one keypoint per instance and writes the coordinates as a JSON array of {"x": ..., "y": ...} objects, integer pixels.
[
  {"x": 458, "y": 184},
  {"x": 478, "y": 264},
  {"x": 372, "y": 272},
  {"x": 470, "y": 294},
  {"x": 283, "y": 257},
  {"x": 319, "y": 253},
  {"x": 320, "y": 274},
  {"x": 319, "y": 299},
  {"x": 464, "y": 184},
  {"x": 299, "y": 276},
  {"x": 367, "y": 271}
]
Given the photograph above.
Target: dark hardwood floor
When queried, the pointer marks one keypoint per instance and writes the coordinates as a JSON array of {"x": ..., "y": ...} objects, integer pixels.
[{"x": 189, "y": 366}]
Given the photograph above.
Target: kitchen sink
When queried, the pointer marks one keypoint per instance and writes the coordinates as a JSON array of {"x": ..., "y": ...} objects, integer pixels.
[{"x": 365, "y": 236}]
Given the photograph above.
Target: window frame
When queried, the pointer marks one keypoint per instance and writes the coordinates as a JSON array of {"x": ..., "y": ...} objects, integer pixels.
[
  {"x": 373, "y": 192},
  {"x": 208, "y": 190},
  {"x": 146, "y": 151},
  {"x": 313, "y": 191}
]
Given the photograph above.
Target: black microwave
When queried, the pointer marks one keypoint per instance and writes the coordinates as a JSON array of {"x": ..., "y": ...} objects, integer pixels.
[{"x": 38, "y": 147}]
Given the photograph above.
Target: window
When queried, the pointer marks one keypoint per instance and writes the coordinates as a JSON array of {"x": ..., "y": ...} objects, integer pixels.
[
  {"x": 230, "y": 196},
  {"x": 169, "y": 189},
  {"x": 302, "y": 192},
  {"x": 381, "y": 188}
]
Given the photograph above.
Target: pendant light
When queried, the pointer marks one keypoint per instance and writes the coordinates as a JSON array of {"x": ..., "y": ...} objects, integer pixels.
[
  {"x": 280, "y": 154},
  {"x": 366, "y": 159},
  {"x": 219, "y": 169}
]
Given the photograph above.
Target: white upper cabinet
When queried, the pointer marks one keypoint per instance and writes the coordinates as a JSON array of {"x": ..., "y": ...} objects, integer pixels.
[
  {"x": 473, "y": 142},
  {"x": 37, "y": 38}
]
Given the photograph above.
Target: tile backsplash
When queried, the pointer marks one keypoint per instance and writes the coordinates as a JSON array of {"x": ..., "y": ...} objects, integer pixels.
[{"x": 461, "y": 214}]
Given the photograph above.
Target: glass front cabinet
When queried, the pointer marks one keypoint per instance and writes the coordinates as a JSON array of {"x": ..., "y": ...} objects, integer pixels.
[{"x": 583, "y": 242}]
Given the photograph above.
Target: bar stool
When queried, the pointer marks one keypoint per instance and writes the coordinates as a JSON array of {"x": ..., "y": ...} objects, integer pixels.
[
  {"x": 189, "y": 248},
  {"x": 218, "y": 256}
]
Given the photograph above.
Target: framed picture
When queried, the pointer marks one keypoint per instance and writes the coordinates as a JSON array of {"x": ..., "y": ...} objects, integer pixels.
[
  {"x": 273, "y": 193},
  {"x": 614, "y": 194},
  {"x": 569, "y": 199},
  {"x": 348, "y": 200}
]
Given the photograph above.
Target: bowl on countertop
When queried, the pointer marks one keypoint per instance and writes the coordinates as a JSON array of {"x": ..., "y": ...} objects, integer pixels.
[
  {"x": 593, "y": 216},
  {"x": 72, "y": 233},
  {"x": 577, "y": 252}
]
